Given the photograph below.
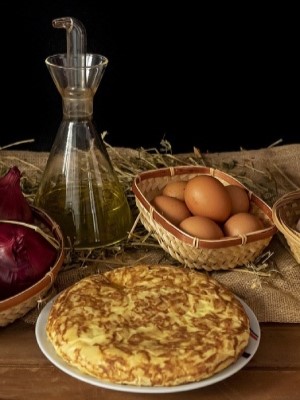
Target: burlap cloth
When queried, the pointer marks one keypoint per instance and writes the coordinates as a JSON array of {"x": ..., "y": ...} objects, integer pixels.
[{"x": 273, "y": 294}]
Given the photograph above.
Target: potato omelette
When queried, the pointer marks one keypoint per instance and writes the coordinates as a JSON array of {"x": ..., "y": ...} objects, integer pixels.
[{"x": 148, "y": 325}]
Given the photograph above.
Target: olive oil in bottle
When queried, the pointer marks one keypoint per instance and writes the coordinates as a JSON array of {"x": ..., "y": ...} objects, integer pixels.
[{"x": 86, "y": 221}]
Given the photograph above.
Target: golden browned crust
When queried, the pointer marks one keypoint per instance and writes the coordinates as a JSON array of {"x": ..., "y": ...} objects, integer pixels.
[{"x": 149, "y": 326}]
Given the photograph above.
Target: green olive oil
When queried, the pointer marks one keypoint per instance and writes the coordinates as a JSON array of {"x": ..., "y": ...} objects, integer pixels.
[{"x": 89, "y": 216}]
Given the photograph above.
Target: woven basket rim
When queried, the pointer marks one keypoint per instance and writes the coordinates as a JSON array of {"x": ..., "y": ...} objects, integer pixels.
[
  {"x": 49, "y": 278},
  {"x": 265, "y": 233},
  {"x": 283, "y": 227},
  {"x": 286, "y": 199}
]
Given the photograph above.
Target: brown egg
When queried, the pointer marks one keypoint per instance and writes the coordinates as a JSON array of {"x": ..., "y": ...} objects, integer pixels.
[
  {"x": 239, "y": 199},
  {"x": 206, "y": 196},
  {"x": 175, "y": 189},
  {"x": 172, "y": 209},
  {"x": 201, "y": 227},
  {"x": 242, "y": 223}
]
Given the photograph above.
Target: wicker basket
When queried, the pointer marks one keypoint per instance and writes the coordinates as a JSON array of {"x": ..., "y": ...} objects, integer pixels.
[
  {"x": 286, "y": 214},
  {"x": 18, "y": 305},
  {"x": 209, "y": 255}
]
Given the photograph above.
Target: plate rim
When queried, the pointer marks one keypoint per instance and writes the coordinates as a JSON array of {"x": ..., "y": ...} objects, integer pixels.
[{"x": 49, "y": 352}]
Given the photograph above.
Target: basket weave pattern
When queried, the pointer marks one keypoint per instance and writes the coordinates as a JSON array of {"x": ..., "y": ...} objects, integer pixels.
[
  {"x": 17, "y": 306},
  {"x": 286, "y": 214},
  {"x": 196, "y": 253}
]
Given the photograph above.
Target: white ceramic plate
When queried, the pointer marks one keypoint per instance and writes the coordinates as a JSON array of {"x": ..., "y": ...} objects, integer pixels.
[{"x": 48, "y": 350}]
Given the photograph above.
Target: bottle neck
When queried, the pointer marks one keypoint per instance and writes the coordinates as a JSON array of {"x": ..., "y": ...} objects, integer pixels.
[
  {"x": 78, "y": 108},
  {"x": 77, "y": 103}
]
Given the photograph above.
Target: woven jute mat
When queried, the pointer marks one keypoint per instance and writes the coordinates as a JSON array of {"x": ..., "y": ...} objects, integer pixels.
[{"x": 273, "y": 294}]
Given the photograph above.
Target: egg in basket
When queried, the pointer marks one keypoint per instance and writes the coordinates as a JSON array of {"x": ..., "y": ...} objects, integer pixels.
[{"x": 202, "y": 229}]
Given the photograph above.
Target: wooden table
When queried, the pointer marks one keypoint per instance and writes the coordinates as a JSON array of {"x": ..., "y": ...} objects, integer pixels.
[{"x": 273, "y": 373}]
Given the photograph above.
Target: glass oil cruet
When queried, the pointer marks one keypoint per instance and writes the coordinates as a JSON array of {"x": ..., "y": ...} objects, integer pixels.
[{"x": 79, "y": 188}]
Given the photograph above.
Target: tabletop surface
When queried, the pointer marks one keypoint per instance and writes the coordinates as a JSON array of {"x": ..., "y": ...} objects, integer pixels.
[{"x": 273, "y": 372}]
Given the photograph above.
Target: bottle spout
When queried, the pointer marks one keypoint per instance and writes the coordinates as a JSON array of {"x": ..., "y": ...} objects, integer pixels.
[{"x": 76, "y": 48}]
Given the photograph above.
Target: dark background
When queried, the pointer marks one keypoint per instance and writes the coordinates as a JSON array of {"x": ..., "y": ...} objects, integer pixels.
[{"x": 219, "y": 78}]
